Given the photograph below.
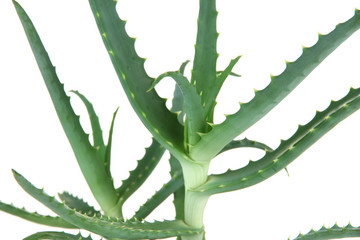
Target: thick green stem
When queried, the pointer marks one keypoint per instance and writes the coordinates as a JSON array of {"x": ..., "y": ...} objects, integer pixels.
[{"x": 195, "y": 174}]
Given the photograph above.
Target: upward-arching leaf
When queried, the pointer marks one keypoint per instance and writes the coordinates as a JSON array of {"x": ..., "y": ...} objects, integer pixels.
[
  {"x": 91, "y": 166},
  {"x": 334, "y": 232},
  {"x": 195, "y": 119},
  {"x": 129, "y": 67},
  {"x": 95, "y": 125},
  {"x": 279, "y": 87},
  {"x": 105, "y": 227},
  {"x": 107, "y": 160},
  {"x": 287, "y": 151},
  {"x": 178, "y": 98},
  {"x": 56, "y": 236},
  {"x": 35, "y": 217},
  {"x": 142, "y": 171},
  {"x": 78, "y": 204},
  {"x": 204, "y": 69}
]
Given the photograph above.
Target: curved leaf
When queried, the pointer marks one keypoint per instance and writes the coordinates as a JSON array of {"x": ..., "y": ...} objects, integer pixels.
[
  {"x": 220, "y": 79},
  {"x": 142, "y": 171},
  {"x": 95, "y": 125},
  {"x": 91, "y": 166},
  {"x": 280, "y": 86},
  {"x": 109, "y": 144},
  {"x": 35, "y": 217},
  {"x": 56, "y": 236},
  {"x": 129, "y": 67},
  {"x": 78, "y": 204},
  {"x": 195, "y": 120},
  {"x": 161, "y": 195},
  {"x": 335, "y": 232},
  {"x": 246, "y": 143},
  {"x": 287, "y": 151},
  {"x": 105, "y": 226}
]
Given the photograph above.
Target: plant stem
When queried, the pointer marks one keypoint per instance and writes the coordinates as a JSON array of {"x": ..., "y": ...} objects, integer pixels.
[{"x": 195, "y": 174}]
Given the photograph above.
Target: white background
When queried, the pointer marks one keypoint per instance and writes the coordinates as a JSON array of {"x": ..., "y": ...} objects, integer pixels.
[{"x": 324, "y": 182}]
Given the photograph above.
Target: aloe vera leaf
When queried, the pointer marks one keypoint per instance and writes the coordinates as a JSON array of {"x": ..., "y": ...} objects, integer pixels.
[
  {"x": 56, "y": 236},
  {"x": 246, "y": 143},
  {"x": 78, "y": 204},
  {"x": 195, "y": 121},
  {"x": 129, "y": 67},
  {"x": 92, "y": 167},
  {"x": 35, "y": 217},
  {"x": 335, "y": 232},
  {"x": 178, "y": 99},
  {"x": 179, "y": 195},
  {"x": 109, "y": 144},
  {"x": 218, "y": 73},
  {"x": 279, "y": 87},
  {"x": 95, "y": 125},
  {"x": 220, "y": 79},
  {"x": 173, "y": 185},
  {"x": 287, "y": 151},
  {"x": 204, "y": 68},
  {"x": 142, "y": 171},
  {"x": 107, "y": 227},
  {"x": 178, "y": 104}
]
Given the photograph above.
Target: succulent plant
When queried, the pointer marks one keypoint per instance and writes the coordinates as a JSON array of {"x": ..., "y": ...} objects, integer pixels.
[{"x": 187, "y": 131}]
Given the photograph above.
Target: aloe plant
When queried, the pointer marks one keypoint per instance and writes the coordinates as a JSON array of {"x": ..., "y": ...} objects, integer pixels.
[{"x": 187, "y": 131}]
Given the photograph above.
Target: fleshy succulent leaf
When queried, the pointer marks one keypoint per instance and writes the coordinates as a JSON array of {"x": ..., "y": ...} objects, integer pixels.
[
  {"x": 287, "y": 151},
  {"x": 334, "y": 232},
  {"x": 109, "y": 144},
  {"x": 78, "y": 204},
  {"x": 178, "y": 104},
  {"x": 204, "y": 68},
  {"x": 56, "y": 236},
  {"x": 107, "y": 227},
  {"x": 178, "y": 99},
  {"x": 215, "y": 88},
  {"x": 35, "y": 217},
  {"x": 91, "y": 166},
  {"x": 95, "y": 125},
  {"x": 129, "y": 67},
  {"x": 280, "y": 86},
  {"x": 195, "y": 120},
  {"x": 142, "y": 171},
  {"x": 173, "y": 185},
  {"x": 247, "y": 144}
]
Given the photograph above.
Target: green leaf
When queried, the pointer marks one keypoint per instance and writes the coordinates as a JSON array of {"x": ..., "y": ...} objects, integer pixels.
[
  {"x": 56, "y": 236},
  {"x": 78, "y": 204},
  {"x": 287, "y": 151},
  {"x": 246, "y": 143},
  {"x": 335, "y": 232},
  {"x": 142, "y": 171},
  {"x": 91, "y": 166},
  {"x": 204, "y": 69},
  {"x": 109, "y": 144},
  {"x": 35, "y": 217},
  {"x": 178, "y": 104},
  {"x": 161, "y": 195},
  {"x": 220, "y": 79},
  {"x": 195, "y": 120},
  {"x": 95, "y": 125},
  {"x": 108, "y": 227},
  {"x": 280, "y": 86},
  {"x": 178, "y": 99},
  {"x": 129, "y": 67}
]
